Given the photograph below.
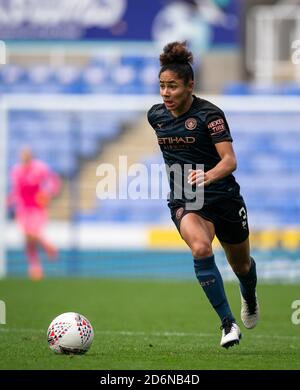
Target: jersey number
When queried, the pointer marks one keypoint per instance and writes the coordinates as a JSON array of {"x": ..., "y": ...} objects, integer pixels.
[{"x": 243, "y": 214}]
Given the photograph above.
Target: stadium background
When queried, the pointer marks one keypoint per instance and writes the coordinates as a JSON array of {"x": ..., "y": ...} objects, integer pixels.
[{"x": 75, "y": 84}]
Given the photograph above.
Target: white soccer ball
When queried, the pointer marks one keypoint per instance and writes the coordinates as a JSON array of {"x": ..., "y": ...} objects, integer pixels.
[{"x": 70, "y": 333}]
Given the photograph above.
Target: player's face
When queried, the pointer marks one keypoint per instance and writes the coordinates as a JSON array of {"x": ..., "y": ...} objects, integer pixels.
[
  {"x": 176, "y": 95},
  {"x": 26, "y": 156}
]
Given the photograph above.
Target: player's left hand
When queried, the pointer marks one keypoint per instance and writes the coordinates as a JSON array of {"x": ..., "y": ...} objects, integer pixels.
[
  {"x": 42, "y": 199},
  {"x": 199, "y": 177}
]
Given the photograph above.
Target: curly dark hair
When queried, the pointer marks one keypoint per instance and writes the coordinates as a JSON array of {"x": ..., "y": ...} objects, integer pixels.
[{"x": 177, "y": 58}]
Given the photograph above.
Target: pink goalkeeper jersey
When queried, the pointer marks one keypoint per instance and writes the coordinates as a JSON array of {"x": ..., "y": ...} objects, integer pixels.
[{"x": 28, "y": 181}]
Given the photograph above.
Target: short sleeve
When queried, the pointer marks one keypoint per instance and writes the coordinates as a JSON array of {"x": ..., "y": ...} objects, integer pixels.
[
  {"x": 217, "y": 126},
  {"x": 149, "y": 117},
  {"x": 155, "y": 115}
]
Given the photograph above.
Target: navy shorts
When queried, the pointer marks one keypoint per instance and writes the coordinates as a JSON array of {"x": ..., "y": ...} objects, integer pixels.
[{"x": 229, "y": 217}]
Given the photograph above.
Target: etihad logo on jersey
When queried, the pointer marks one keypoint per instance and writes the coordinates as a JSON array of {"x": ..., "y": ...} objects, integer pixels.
[{"x": 176, "y": 140}]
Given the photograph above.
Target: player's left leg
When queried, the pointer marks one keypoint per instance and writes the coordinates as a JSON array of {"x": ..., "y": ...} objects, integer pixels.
[
  {"x": 243, "y": 265},
  {"x": 198, "y": 233},
  {"x": 39, "y": 221},
  {"x": 48, "y": 247}
]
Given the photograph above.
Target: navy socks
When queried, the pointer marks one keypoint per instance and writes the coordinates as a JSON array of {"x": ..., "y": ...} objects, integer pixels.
[
  {"x": 211, "y": 281},
  {"x": 248, "y": 282}
]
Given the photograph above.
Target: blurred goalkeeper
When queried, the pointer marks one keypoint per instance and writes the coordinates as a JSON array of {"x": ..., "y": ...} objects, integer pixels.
[{"x": 34, "y": 184}]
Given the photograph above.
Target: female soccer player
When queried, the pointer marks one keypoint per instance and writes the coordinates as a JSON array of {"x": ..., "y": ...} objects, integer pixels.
[
  {"x": 33, "y": 185},
  {"x": 193, "y": 131}
]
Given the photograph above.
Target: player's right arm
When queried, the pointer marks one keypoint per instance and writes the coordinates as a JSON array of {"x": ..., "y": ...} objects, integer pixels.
[
  {"x": 14, "y": 194},
  {"x": 153, "y": 115}
]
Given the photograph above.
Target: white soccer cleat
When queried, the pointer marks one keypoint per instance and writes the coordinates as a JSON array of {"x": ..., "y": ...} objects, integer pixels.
[
  {"x": 249, "y": 313},
  {"x": 231, "y": 334}
]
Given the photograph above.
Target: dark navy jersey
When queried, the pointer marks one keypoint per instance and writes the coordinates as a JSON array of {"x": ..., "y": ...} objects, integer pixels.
[{"x": 190, "y": 139}]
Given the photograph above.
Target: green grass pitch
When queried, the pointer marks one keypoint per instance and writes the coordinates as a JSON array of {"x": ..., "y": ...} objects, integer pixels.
[{"x": 141, "y": 324}]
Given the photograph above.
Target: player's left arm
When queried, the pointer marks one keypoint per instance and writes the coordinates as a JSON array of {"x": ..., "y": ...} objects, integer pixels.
[
  {"x": 225, "y": 166},
  {"x": 218, "y": 129},
  {"x": 49, "y": 186}
]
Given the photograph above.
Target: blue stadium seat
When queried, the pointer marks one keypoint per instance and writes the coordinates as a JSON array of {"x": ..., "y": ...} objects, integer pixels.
[
  {"x": 88, "y": 147},
  {"x": 69, "y": 78},
  {"x": 41, "y": 79},
  {"x": 104, "y": 74},
  {"x": 13, "y": 79},
  {"x": 148, "y": 76},
  {"x": 236, "y": 88},
  {"x": 291, "y": 89},
  {"x": 249, "y": 88},
  {"x": 95, "y": 79},
  {"x": 124, "y": 77}
]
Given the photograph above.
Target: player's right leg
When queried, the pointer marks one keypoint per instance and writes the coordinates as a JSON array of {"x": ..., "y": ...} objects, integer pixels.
[
  {"x": 198, "y": 233},
  {"x": 35, "y": 270}
]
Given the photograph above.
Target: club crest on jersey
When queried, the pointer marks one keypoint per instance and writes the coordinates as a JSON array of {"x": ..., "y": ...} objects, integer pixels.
[
  {"x": 179, "y": 212},
  {"x": 191, "y": 124}
]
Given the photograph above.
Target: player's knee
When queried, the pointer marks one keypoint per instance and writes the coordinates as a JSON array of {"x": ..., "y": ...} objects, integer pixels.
[
  {"x": 30, "y": 239},
  {"x": 201, "y": 250},
  {"x": 241, "y": 267}
]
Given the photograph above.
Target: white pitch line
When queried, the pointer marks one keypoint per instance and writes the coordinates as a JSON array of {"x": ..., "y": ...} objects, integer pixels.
[
  {"x": 151, "y": 334},
  {"x": 114, "y": 332}
]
